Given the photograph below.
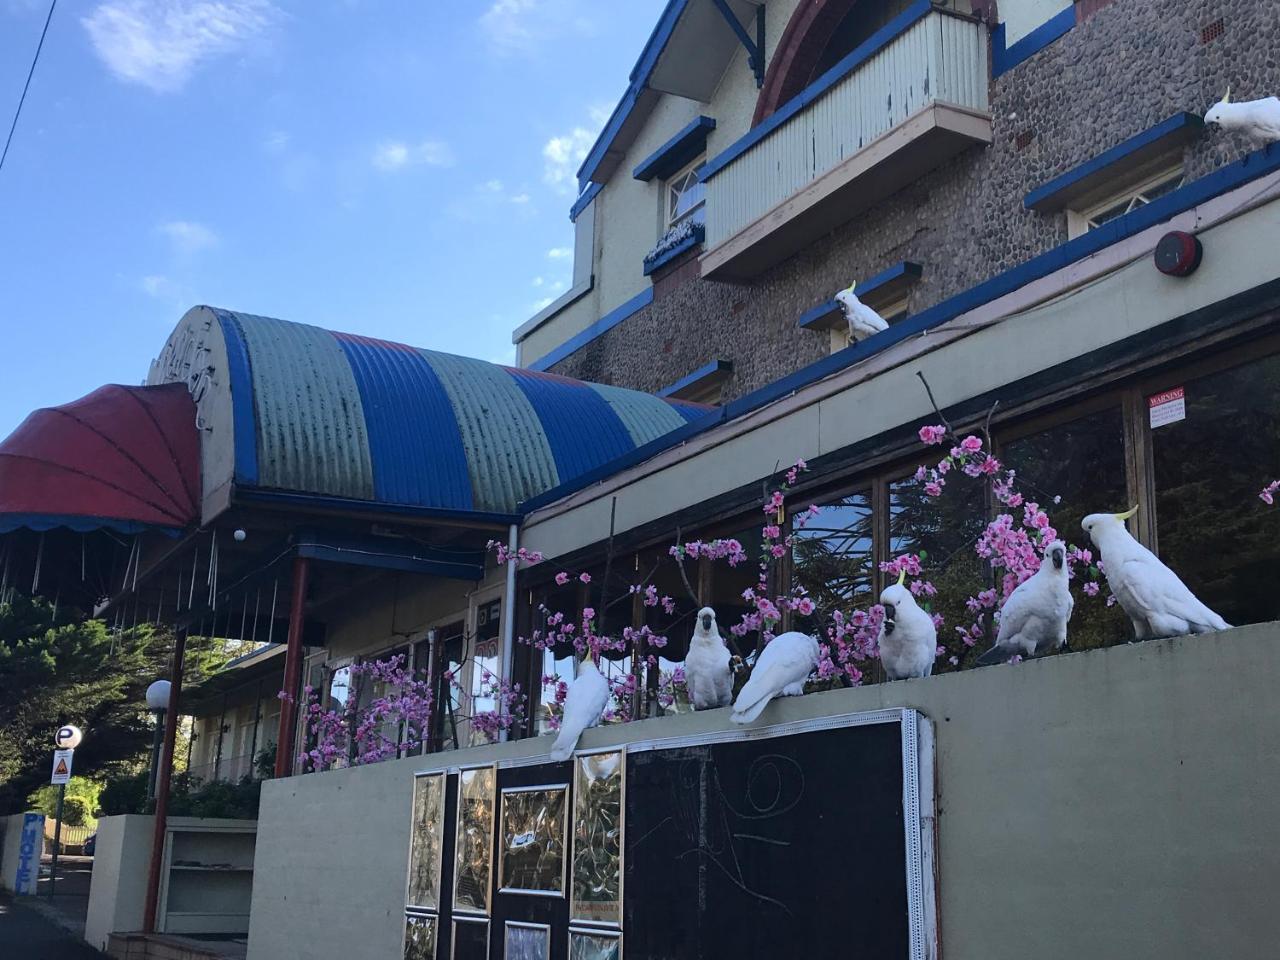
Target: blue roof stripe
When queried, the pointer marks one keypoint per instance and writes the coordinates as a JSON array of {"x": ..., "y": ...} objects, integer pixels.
[
  {"x": 414, "y": 439},
  {"x": 244, "y": 419},
  {"x": 583, "y": 429}
]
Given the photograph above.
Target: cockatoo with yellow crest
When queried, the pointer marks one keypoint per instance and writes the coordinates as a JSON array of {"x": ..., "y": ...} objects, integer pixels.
[
  {"x": 1158, "y": 603},
  {"x": 863, "y": 321},
  {"x": 707, "y": 678},
  {"x": 908, "y": 638},
  {"x": 1033, "y": 621},
  {"x": 780, "y": 671},
  {"x": 1259, "y": 120},
  {"x": 583, "y": 707}
]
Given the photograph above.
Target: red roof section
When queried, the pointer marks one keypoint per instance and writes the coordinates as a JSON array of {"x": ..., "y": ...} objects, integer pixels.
[{"x": 121, "y": 457}]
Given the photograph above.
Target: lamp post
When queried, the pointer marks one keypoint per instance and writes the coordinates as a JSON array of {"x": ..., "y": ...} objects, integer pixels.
[{"x": 158, "y": 704}]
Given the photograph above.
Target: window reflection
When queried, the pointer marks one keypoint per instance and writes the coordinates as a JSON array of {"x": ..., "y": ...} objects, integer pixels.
[
  {"x": 833, "y": 557},
  {"x": 1211, "y": 528},
  {"x": 1081, "y": 461}
]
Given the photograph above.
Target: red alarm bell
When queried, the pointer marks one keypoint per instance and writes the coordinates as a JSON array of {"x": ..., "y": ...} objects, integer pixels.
[{"x": 1178, "y": 254}]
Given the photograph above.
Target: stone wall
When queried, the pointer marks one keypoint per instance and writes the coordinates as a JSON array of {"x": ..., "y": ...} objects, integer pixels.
[{"x": 1126, "y": 67}]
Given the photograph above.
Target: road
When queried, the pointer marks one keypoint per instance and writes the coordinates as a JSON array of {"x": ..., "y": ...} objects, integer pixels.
[{"x": 26, "y": 934}]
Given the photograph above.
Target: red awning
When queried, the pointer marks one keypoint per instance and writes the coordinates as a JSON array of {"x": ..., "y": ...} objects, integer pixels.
[{"x": 127, "y": 458}]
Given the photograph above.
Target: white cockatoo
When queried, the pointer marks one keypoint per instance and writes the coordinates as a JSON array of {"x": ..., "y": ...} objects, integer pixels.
[
  {"x": 706, "y": 668},
  {"x": 583, "y": 705},
  {"x": 780, "y": 671},
  {"x": 1259, "y": 120},
  {"x": 908, "y": 638},
  {"x": 1158, "y": 603},
  {"x": 863, "y": 321},
  {"x": 1034, "y": 619}
]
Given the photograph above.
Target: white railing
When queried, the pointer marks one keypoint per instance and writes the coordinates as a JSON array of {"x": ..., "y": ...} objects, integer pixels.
[{"x": 941, "y": 58}]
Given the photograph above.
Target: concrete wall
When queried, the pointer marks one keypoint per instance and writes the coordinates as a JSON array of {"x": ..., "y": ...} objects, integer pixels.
[
  {"x": 11, "y": 852},
  {"x": 1113, "y": 803},
  {"x": 118, "y": 888}
]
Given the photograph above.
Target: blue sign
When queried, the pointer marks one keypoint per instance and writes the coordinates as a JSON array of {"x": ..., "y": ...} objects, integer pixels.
[{"x": 29, "y": 854}]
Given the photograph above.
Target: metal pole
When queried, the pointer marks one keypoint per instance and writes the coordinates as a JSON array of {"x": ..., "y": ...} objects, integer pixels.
[
  {"x": 292, "y": 670},
  {"x": 156, "y": 738},
  {"x": 162, "y": 785},
  {"x": 57, "y": 838}
]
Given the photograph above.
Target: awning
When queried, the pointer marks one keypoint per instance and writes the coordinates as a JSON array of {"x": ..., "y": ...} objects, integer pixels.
[{"x": 121, "y": 458}]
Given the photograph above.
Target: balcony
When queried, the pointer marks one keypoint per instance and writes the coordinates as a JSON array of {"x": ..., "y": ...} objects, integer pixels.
[{"x": 904, "y": 102}]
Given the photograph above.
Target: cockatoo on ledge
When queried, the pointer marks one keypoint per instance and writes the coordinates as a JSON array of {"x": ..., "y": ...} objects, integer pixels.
[
  {"x": 707, "y": 677},
  {"x": 1033, "y": 621},
  {"x": 863, "y": 321},
  {"x": 583, "y": 706},
  {"x": 1158, "y": 603},
  {"x": 1259, "y": 120},
  {"x": 780, "y": 671},
  {"x": 908, "y": 639}
]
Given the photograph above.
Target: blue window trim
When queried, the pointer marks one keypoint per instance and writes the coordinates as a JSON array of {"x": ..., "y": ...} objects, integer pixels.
[
  {"x": 1059, "y": 191},
  {"x": 695, "y": 239},
  {"x": 601, "y": 326},
  {"x": 584, "y": 201},
  {"x": 715, "y": 369},
  {"x": 1004, "y": 59},
  {"x": 389, "y": 554},
  {"x": 676, "y": 152},
  {"x": 847, "y": 65},
  {"x": 318, "y": 502},
  {"x": 905, "y": 272},
  {"x": 1234, "y": 175}
]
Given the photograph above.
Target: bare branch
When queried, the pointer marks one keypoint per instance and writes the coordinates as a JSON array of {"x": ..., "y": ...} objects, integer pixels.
[
  {"x": 608, "y": 566},
  {"x": 929, "y": 390},
  {"x": 684, "y": 577}
]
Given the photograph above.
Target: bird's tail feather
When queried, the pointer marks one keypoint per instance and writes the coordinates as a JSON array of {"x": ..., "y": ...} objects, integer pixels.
[
  {"x": 753, "y": 711},
  {"x": 994, "y": 655},
  {"x": 562, "y": 749}
]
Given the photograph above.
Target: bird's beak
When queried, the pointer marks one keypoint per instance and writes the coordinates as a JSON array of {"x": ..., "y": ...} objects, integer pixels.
[
  {"x": 1057, "y": 559},
  {"x": 889, "y": 612},
  {"x": 706, "y": 622},
  {"x": 1127, "y": 514}
]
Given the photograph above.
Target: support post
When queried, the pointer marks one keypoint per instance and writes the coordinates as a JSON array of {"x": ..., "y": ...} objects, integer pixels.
[
  {"x": 162, "y": 785},
  {"x": 157, "y": 737},
  {"x": 57, "y": 838},
  {"x": 509, "y": 614},
  {"x": 292, "y": 670}
]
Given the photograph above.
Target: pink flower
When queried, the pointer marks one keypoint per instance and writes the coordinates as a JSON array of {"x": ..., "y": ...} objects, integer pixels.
[
  {"x": 932, "y": 434},
  {"x": 970, "y": 444},
  {"x": 933, "y": 489},
  {"x": 1267, "y": 495},
  {"x": 804, "y": 606},
  {"x": 562, "y": 578},
  {"x": 1091, "y": 588},
  {"x": 584, "y": 577},
  {"x": 772, "y": 532}
]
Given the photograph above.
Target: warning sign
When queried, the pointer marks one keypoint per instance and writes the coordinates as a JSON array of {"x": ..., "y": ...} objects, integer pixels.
[
  {"x": 1168, "y": 407},
  {"x": 62, "y": 766}
]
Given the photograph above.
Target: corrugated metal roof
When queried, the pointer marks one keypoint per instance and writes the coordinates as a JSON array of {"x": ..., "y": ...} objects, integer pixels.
[{"x": 340, "y": 415}]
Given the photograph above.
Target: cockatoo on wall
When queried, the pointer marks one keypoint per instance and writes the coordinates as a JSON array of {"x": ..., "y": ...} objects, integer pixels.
[
  {"x": 707, "y": 677},
  {"x": 1033, "y": 621},
  {"x": 1158, "y": 603},
  {"x": 583, "y": 706},
  {"x": 908, "y": 639},
  {"x": 780, "y": 671},
  {"x": 1259, "y": 120},
  {"x": 863, "y": 321}
]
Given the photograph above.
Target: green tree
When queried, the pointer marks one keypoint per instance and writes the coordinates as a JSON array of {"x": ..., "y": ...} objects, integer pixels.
[{"x": 80, "y": 806}]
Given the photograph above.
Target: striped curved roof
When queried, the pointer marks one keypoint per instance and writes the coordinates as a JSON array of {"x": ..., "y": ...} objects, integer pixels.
[{"x": 346, "y": 416}]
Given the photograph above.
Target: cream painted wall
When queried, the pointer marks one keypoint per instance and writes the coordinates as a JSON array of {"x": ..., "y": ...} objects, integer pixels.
[
  {"x": 1020, "y": 17},
  {"x": 118, "y": 887}
]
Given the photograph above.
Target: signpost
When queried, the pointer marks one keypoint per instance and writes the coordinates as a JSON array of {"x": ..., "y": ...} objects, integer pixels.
[
  {"x": 66, "y": 740},
  {"x": 29, "y": 846}
]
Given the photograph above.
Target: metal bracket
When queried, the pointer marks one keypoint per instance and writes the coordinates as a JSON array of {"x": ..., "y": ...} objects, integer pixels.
[{"x": 754, "y": 48}]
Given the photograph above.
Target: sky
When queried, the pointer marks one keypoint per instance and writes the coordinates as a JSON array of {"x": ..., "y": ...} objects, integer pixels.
[{"x": 395, "y": 168}]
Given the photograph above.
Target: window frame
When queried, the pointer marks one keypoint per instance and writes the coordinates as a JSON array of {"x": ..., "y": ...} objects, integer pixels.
[
  {"x": 668, "y": 219},
  {"x": 1131, "y": 192}
]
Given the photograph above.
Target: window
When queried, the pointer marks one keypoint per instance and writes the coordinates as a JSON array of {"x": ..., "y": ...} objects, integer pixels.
[
  {"x": 1080, "y": 222},
  {"x": 1211, "y": 528},
  {"x": 893, "y": 311},
  {"x": 486, "y": 665},
  {"x": 834, "y": 558},
  {"x": 686, "y": 196}
]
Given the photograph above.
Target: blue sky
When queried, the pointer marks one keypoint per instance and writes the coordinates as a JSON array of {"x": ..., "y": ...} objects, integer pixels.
[{"x": 398, "y": 168}]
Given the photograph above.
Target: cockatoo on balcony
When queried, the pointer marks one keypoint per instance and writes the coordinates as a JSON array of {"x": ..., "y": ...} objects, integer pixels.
[
  {"x": 780, "y": 671},
  {"x": 1259, "y": 120},
  {"x": 863, "y": 321},
  {"x": 1034, "y": 619},
  {"x": 1158, "y": 603},
  {"x": 583, "y": 706},
  {"x": 908, "y": 638},
  {"x": 707, "y": 677}
]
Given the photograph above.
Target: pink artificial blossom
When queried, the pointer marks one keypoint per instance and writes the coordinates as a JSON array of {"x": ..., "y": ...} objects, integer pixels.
[{"x": 933, "y": 434}]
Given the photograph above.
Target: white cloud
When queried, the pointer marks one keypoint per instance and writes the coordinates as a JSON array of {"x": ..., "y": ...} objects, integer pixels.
[
  {"x": 540, "y": 305},
  {"x": 396, "y": 155},
  {"x": 560, "y": 253},
  {"x": 188, "y": 236},
  {"x": 160, "y": 43},
  {"x": 155, "y": 285},
  {"x": 276, "y": 142},
  {"x": 520, "y": 199},
  {"x": 538, "y": 281},
  {"x": 563, "y": 155},
  {"x": 527, "y": 26}
]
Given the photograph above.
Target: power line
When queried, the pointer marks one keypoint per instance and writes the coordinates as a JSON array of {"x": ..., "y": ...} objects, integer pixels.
[{"x": 23, "y": 99}]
